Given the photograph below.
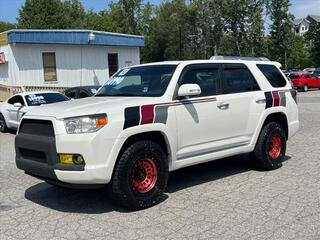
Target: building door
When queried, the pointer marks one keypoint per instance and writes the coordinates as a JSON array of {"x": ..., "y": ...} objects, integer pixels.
[{"x": 112, "y": 63}]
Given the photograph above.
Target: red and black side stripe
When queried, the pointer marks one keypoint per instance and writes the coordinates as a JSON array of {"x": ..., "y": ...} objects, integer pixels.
[
  {"x": 154, "y": 113},
  {"x": 275, "y": 99}
]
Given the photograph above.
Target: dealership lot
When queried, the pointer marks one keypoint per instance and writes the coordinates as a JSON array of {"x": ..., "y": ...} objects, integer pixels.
[{"x": 225, "y": 199}]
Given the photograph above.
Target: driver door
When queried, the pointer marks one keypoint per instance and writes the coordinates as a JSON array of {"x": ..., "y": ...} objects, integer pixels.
[{"x": 199, "y": 118}]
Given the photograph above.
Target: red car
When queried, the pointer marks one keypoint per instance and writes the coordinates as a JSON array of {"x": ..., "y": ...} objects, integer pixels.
[{"x": 304, "y": 81}]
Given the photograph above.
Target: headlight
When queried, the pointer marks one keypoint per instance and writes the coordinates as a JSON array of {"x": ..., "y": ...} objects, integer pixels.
[{"x": 85, "y": 124}]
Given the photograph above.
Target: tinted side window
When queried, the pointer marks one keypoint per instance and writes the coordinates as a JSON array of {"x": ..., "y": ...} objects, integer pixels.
[
  {"x": 206, "y": 78},
  {"x": 16, "y": 99},
  {"x": 237, "y": 78},
  {"x": 83, "y": 94},
  {"x": 71, "y": 93},
  {"x": 273, "y": 75}
]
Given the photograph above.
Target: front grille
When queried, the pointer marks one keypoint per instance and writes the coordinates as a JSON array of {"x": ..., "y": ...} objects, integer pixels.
[
  {"x": 37, "y": 127},
  {"x": 33, "y": 155}
]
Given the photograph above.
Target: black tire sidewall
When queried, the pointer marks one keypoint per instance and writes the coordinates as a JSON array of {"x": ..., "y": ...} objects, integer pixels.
[
  {"x": 4, "y": 128},
  {"x": 261, "y": 154},
  {"x": 124, "y": 169}
]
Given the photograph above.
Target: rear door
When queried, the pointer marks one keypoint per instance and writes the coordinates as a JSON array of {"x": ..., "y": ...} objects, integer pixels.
[{"x": 240, "y": 105}]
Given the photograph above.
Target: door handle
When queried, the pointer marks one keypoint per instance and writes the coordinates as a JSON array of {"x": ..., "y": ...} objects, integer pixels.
[
  {"x": 261, "y": 101},
  {"x": 223, "y": 106}
]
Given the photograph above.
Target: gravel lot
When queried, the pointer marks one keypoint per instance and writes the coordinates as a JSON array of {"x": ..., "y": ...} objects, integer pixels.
[{"x": 225, "y": 199}]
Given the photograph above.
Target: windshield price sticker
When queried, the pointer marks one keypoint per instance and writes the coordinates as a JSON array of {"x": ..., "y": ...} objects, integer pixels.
[
  {"x": 93, "y": 90},
  {"x": 115, "y": 81},
  {"x": 34, "y": 99}
]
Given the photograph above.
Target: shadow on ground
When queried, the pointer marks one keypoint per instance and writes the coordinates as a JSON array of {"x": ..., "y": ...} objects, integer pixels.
[
  {"x": 95, "y": 201},
  {"x": 11, "y": 131}
]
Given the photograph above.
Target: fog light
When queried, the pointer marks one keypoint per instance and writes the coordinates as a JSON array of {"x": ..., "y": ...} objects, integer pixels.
[{"x": 71, "y": 159}]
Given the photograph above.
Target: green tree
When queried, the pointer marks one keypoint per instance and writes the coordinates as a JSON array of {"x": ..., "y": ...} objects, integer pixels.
[
  {"x": 281, "y": 34},
  {"x": 42, "y": 14},
  {"x": 74, "y": 13},
  {"x": 256, "y": 38},
  {"x": 52, "y": 14},
  {"x": 237, "y": 15},
  {"x": 4, "y": 26},
  {"x": 298, "y": 56},
  {"x": 314, "y": 40},
  {"x": 167, "y": 32}
]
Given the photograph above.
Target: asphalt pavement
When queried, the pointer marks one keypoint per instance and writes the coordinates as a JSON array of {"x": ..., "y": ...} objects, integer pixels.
[{"x": 224, "y": 199}]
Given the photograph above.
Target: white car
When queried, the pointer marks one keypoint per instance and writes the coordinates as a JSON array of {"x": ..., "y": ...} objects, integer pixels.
[
  {"x": 154, "y": 118},
  {"x": 12, "y": 110}
]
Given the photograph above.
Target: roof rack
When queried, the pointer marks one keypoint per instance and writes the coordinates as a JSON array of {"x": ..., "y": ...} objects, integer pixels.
[{"x": 239, "y": 58}]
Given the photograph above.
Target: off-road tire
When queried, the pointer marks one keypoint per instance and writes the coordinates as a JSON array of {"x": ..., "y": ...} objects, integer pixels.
[
  {"x": 260, "y": 156},
  {"x": 122, "y": 186},
  {"x": 3, "y": 125}
]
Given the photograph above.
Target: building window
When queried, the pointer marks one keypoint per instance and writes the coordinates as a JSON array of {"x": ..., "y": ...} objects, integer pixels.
[
  {"x": 302, "y": 28},
  {"x": 112, "y": 63},
  {"x": 49, "y": 66}
]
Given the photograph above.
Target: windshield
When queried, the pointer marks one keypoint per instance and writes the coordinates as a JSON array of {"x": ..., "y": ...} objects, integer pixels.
[
  {"x": 45, "y": 98},
  {"x": 147, "y": 81}
]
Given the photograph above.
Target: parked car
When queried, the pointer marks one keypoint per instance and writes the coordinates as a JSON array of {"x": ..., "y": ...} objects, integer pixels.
[
  {"x": 12, "y": 110},
  {"x": 310, "y": 70},
  {"x": 154, "y": 118},
  {"x": 305, "y": 81},
  {"x": 81, "y": 92},
  {"x": 317, "y": 72}
]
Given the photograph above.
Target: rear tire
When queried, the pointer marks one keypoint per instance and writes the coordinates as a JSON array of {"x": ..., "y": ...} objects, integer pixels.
[
  {"x": 3, "y": 125},
  {"x": 140, "y": 176},
  {"x": 270, "y": 149},
  {"x": 305, "y": 88}
]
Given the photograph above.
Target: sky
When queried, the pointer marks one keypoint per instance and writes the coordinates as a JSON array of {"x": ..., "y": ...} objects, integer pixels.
[{"x": 9, "y": 9}]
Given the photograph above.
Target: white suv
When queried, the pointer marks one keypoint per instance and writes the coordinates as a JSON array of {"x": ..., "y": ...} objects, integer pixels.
[{"x": 154, "y": 118}]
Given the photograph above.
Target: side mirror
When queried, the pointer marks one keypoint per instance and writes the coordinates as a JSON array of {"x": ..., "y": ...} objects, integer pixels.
[
  {"x": 187, "y": 90},
  {"x": 17, "y": 105}
]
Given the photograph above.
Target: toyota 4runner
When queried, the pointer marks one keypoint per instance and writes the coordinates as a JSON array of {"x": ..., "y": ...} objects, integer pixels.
[{"x": 151, "y": 119}]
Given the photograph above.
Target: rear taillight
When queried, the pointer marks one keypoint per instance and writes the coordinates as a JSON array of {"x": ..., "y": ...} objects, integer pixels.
[{"x": 294, "y": 94}]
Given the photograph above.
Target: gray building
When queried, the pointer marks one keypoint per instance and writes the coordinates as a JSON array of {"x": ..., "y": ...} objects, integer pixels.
[
  {"x": 302, "y": 25},
  {"x": 64, "y": 58}
]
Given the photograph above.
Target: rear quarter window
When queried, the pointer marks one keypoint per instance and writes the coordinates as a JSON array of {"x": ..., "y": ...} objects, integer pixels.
[{"x": 273, "y": 75}]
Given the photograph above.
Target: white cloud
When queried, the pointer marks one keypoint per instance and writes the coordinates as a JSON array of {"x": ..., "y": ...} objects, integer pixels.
[{"x": 302, "y": 8}]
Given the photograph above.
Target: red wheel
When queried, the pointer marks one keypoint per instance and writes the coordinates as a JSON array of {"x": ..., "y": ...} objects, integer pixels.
[
  {"x": 140, "y": 176},
  {"x": 270, "y": 149},
  {"x": 275, "y": 146},
  {"x": 144, "y": 175}
]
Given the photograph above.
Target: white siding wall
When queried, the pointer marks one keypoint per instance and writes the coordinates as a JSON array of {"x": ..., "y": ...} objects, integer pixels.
[
  {"x": 76, "y": 65},
  {"x": 4, "y": 68}
]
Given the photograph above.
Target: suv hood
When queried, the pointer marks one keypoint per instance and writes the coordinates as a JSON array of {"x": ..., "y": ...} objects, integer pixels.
[{"x": 87, "y": 106}]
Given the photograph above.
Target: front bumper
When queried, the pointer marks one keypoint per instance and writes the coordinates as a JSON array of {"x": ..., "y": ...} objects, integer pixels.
[{"x": 37, "y": 155}]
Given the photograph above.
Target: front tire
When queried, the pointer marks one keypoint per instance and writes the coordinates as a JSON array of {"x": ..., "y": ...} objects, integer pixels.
[
  {"x": 3, "y": 125},
  {"x": 305, "y": 88},
  {"x": 270, "y": 149},
  {"x": 140, "y": 176}
]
